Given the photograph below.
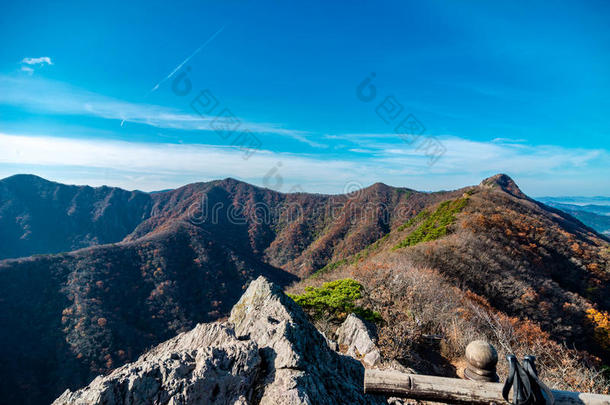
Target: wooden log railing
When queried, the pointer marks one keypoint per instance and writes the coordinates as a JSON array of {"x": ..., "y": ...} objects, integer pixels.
[
  {"x": 456, "y": 391},
  {"x": 480, "y": 386}
]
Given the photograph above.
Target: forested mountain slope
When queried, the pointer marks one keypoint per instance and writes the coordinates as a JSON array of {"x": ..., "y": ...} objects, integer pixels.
[{"x": 183, "y": 256}]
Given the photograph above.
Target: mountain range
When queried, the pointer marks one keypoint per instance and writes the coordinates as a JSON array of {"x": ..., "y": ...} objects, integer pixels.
[
  {"x": 92, "y": 277},
  {"x": 593, "y": 211}
]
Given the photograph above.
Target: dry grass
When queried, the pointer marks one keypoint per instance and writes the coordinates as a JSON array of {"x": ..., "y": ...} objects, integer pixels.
[{"x": 416, "y": 302}]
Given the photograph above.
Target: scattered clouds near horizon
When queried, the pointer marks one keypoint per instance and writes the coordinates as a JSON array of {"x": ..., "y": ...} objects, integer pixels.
[
  {"x": 546, "y": 170},
  {"x": 364, "y": 158}
]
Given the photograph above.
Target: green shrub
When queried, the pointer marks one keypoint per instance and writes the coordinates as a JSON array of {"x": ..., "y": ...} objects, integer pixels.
[
  {"x": 422, "y": 215},
  {"x": 433, "y": 225},
  {"x": 335, "y": 299}
]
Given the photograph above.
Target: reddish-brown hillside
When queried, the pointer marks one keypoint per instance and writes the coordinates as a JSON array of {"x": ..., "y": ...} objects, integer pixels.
[
  {"x": 522, "y": 258},
  {"x": 183, "y": 256}
]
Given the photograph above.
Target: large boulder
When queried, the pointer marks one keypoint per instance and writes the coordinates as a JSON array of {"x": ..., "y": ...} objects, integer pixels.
[
  {"x": 267, "y": 353},
  {"x": 358, "y": 340}
]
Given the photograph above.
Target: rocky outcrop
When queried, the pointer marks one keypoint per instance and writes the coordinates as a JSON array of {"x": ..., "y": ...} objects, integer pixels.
[
  {"x": 267, "y": 353},
  {"x": 505, "y": 183},
  {"x": 200, "y": 366},
  {"x": 355, "y": 336}
]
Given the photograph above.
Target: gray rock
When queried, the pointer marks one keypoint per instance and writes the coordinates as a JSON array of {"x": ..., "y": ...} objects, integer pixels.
[
  {"x": 267, "y": 353},
  {"x": 372, "y": 358},
  {"x": 304, "y": 370},
  {"x": 206, "y": 365},
  {"x": 356, "y": 336},
  {"x": 333, "y": 345}
]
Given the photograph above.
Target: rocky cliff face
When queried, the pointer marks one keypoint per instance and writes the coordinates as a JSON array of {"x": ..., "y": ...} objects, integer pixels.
[{"x": 266, "y": 353}]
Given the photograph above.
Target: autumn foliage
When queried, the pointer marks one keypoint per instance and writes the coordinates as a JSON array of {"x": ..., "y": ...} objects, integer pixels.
[{"x": 600, "y": 321}]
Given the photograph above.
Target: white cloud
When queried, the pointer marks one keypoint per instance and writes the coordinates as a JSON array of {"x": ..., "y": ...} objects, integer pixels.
[
  {"x": 539, "y": 170},
  {"x": 60, "y": 98},
  {"x": 37, "y": 61},
  {"x": 168, "y": 161},
  {"x": 543, "y": 170},
  {"x": 28, "y": 65}
]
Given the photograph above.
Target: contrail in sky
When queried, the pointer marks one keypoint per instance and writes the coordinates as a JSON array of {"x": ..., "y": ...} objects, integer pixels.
[
  {"x": 173, "y": 72},
  {"x": 186, "y": 60}
]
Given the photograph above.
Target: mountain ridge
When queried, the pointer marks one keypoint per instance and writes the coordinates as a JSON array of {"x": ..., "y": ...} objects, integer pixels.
[
  {"x": 187, "y": 262},
  {"x": 152, "y": 206}
]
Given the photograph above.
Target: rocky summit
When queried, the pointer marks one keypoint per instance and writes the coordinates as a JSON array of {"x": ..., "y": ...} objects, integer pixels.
[{"x": 266, "y": 353}]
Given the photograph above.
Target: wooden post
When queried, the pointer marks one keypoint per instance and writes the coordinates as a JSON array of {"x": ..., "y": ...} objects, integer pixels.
[
  {"x": 456, "y": 391},
  {"x": 482, "y": 359}
]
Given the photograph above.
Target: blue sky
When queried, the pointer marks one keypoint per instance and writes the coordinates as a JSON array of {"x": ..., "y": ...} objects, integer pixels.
[{"x": 493, "y": 87}]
